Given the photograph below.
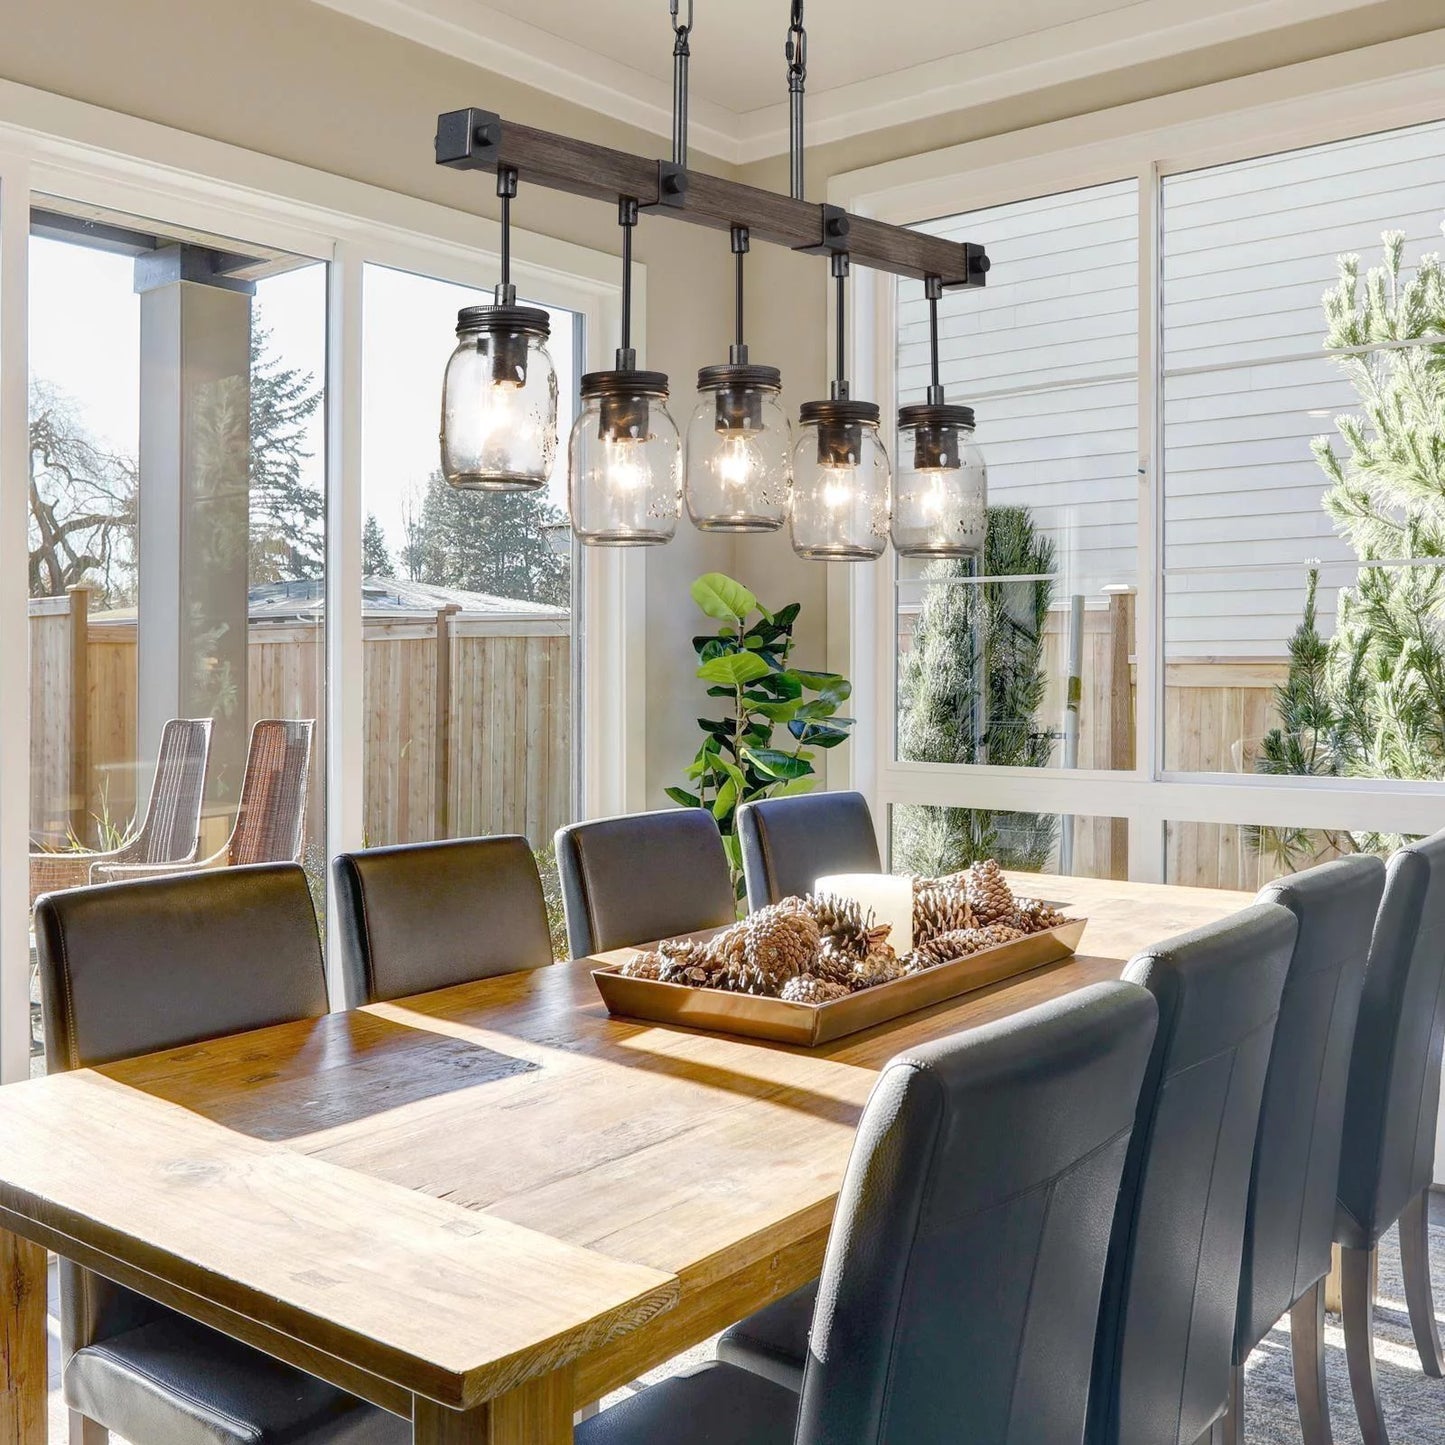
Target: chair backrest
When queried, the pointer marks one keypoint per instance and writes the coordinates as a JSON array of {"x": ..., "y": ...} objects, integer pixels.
[
  {"x": 271, "y": 817},
  {"x": 428, "y": 915},
  {"x": 132, "y": 968},
  {"x": 1291, "y": 1216},
  {"x": 1393, "y": 1103},
  {"x": 171, "y": 828},
  {"x": 1166, "y": 1329},
  {"x": 788, "y": 843},
  {"x": 961, "y": 1281},
  {"x": 642, "y": 877}
]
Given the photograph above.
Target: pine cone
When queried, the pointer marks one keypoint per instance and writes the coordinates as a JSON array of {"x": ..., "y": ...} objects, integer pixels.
[
  {"x": 731, "y": 968},
  {"x": 939, "y": 908},
  {"x": 643, "y": 965},
  {"x": 987, "y": 892},
  {"x": 1032, "y": 915},
  {"x": 841, "y": 924},
  {"x": 807, "y": 988},
  {"x": 996, "y": 933},
  {"x": 881, "y": 966},
  {"x": 780, "y": 942},
  {"x": 833, "y": 963},
  {"x": 685, "y": 961}
]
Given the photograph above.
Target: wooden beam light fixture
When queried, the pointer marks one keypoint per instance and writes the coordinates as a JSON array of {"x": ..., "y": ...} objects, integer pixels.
[{"x": 480, "y": 140}]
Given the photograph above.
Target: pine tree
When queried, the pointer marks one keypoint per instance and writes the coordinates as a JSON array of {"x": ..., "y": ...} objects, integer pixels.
[
  {"x": 288, "y": 512},
  {"x": 488, "y": 542},
  {"x": 970, "y": 689},
  {"x": 1370, "y": 702},
  {"x": 375, "y": 556}
]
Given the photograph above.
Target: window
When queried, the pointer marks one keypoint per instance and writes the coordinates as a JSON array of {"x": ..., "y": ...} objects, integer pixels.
[
  {"x": 1048, "y": 358},
  {"x": 468, "y": 599},
  {"x": 177, "y": 551},
  {"x": 1155, "y": 361}
]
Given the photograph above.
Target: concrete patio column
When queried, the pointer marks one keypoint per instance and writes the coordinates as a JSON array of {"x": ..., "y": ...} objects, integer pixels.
[{"x": 194, "y": 531}]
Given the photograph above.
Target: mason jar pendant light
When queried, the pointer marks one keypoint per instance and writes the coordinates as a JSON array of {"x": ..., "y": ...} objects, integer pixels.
[
  {"x": 499, "y": 396},
  {"x": 841, "y": 477},
  {"x": 623, "y": 474},
  {"x": 940, "y": 508},
  {"x": 737, "y": 453}
]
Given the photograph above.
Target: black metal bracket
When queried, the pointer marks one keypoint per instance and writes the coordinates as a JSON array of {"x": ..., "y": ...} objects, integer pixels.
[
  {"x": 469, "y": 140},
  {"x": 834, "y": 227},
  {"x": 671, "y": 186}
]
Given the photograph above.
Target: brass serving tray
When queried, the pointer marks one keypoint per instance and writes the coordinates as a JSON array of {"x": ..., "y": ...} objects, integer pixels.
[{"x": 813, "y": 1024}]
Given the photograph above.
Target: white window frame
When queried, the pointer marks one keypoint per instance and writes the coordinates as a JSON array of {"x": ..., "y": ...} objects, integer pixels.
[
  {"x": 1381, "y": 88},
  {"x": 50, "y": 145}
]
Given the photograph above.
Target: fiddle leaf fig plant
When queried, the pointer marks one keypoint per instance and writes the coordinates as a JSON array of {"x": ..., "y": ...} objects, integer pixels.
[{"x": 776, "y": 716}]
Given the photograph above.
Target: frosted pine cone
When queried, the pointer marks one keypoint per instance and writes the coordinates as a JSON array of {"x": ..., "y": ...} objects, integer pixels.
[
  {"x": 996, "y": 933},
  {"x": 642, "y": 965},
  {"x": 808, "y": 988},
  {"x": 939, "y": 909},
  {"x": 1032, "y": 915},
  {"x": 987, "y": 892},
  {"x": 685, "y": 961},
  {"x": 780, "y": 942},
  {"x": 841, "y": 924},
  {"x": 880, "y": 966}
]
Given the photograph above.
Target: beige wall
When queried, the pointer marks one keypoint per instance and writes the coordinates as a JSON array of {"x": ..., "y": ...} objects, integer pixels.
[{"x": 292, "y": 79}]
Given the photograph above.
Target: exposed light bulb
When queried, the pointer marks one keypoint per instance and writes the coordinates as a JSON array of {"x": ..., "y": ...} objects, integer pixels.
[
  {"x": 620, "y": 465},
  {"x": 840, "y": 488},
  {"x": 735, "y": 462}
]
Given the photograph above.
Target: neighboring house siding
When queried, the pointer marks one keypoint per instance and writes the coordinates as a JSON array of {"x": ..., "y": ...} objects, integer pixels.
[{"x": 1049, "y": 351}]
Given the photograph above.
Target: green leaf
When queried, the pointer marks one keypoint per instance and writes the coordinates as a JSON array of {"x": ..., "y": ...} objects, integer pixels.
[
  {"x": 719, "y": 596},
  {"x": 794, "y": 786},
  {"x": 735, "y": 670},
  {"x": 683, "y": 799},
  {"x": 778, "y": 712},
  {"x": 727, "y": 797},
  {"x": 777, "y": 764}
]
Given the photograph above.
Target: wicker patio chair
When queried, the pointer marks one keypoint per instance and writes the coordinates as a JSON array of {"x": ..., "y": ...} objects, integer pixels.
[
  {"x": 171, "y": 832},
  {"x": 271, "y": 819}
]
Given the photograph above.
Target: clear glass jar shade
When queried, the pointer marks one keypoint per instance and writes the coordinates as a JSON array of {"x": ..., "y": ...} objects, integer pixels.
[
  {"x": 499, "y": 412},
  {"x": 737, "y": 461},
  {"x": 623, "y": 477},
  {"x": 940, "y": 502},
  {"x": 841, "y": 485}
]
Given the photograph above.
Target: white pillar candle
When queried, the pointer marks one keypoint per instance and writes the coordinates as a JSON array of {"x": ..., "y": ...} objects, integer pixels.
[{"x": 888, "y": 895}]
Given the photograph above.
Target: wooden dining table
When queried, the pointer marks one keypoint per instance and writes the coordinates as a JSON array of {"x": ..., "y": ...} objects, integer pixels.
[{"x": 479, "y": 1208}]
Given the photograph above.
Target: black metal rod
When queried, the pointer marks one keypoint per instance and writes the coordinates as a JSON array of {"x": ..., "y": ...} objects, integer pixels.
[
  {"x": 840, "y": 353},
  {"x": 796, "y": 51},
  {"x": 933, "y": 290},
  {"x": 506, "y": 189},
  {"x": 681, "y": 55},
  {"x": 740, "y": 243},
  {"x": 627, "y": 219}
]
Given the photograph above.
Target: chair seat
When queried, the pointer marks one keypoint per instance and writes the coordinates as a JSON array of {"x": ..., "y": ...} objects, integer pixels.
[
  {"x": 714, "y": 1404},
  {"x": 774, "y": 1342},
  {"x": 175, "y": 1382}
]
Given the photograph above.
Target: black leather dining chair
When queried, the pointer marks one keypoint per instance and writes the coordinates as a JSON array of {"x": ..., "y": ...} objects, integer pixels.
[
  {"x": 1391, "y": 1111},
  {"x": 641, "y": 877},
  {"x": 788, "y": 843},
  {"x": 1291, "y": 1214},
  {"x": 422, "y": 916},
  {"x": 133, "y": 968},
  {"x": 961, "y": 1279},
  {"x": 1166, "y": 1331}
]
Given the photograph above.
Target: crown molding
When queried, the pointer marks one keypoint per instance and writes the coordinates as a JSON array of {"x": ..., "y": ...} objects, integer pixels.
[
  {"x": 535, "y": 57},
  {"x": 1146, "y": 32}
]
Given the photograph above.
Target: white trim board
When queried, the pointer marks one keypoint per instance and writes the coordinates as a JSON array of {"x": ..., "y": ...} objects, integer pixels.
[{"x": 1143, "y": 33}]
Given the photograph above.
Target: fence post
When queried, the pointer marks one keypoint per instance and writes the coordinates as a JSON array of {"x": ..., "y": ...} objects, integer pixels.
[
  {"x": 79, "y": 766},
  {"x": 442, "y": 723},
  {"x": 1121, "y": 715}
]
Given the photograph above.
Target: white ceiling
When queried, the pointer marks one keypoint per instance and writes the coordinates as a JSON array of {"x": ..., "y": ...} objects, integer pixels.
[{"x": 870, "y": 62}]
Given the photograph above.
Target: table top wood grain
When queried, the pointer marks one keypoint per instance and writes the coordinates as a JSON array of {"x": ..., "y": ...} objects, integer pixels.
[{"x": 449, "y": 1196}]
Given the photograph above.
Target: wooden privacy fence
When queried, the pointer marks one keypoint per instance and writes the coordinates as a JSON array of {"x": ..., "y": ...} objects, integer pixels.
[
  {"x": 1216, "y": 709},
  {"x": 467, "y": 721}
]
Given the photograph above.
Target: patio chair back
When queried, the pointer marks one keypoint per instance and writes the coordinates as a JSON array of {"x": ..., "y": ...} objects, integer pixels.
[
  {"x": 172, "y": 826},
  {"x": 271, "y": 819}
]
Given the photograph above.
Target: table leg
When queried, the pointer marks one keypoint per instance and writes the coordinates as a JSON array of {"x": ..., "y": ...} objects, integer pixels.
[
  {"x": 538, "y": 1412},
  {"x": 22, "y": 1342}
]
